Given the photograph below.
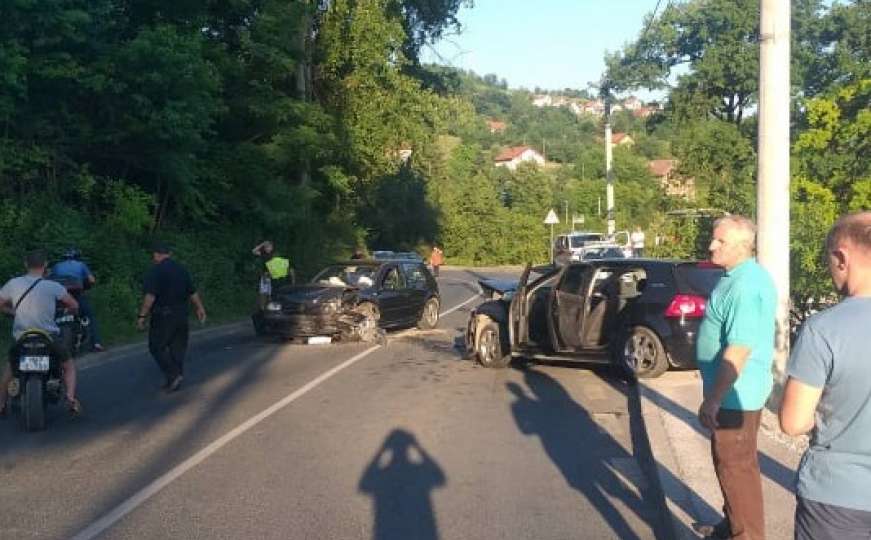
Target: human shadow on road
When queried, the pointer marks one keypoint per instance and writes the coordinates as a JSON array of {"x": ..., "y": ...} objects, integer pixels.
[
  {"x": 588, "y": 457},
  {"x": 400, "y": 479}
]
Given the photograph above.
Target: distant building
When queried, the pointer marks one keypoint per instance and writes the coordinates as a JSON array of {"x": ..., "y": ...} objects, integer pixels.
[
  {"x": 643, "y": 112},
  {"x": 674, "y": 185},
  {"x": 514, "y": 156},
  {"x": 543, "y": 100},
  {"x": 495, "y": 126},
  {"x": 622, "y": 139},
  {"x": 632, "y": 103}
]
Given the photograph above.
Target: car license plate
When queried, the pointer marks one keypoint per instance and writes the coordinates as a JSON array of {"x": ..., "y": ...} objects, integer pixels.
[{"x": 33, "y": 363}]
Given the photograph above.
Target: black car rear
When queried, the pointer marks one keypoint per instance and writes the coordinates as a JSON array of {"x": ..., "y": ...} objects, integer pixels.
[{"x": 672, "y": 304}]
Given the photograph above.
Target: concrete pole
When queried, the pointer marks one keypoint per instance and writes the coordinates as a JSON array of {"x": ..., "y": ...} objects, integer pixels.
[
  {"x": 609, "y": 170},
  {"x": 773, "y": 180}
]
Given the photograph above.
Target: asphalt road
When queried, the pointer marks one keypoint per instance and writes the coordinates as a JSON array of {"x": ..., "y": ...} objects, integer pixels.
[{"x": 275, "y": 440}]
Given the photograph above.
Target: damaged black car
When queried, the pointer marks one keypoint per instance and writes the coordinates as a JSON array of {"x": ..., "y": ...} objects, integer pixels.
[
  {"x": 353, "y": 301},
  {"x": 639, "y": 315}
]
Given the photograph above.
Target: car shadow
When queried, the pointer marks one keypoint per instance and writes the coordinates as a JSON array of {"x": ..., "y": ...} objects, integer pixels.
[{"x": 400, "y": 479}]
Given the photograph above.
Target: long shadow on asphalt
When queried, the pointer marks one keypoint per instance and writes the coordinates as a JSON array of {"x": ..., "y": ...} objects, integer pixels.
[
  {"x": 400, "y": 480},
  {"x": 588, "y": 457},
  {"x": 123, "y": 395}
]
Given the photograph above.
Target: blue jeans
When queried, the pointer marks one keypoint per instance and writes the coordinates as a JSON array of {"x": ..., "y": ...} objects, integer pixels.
[{"x": 86, "y": 310}]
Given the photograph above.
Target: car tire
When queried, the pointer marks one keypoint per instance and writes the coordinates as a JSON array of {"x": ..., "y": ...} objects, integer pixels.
[
  {"x": 429, "y": 317},
  {"x": 641, "y": 354},
  {"x": 489, "y": 347}
]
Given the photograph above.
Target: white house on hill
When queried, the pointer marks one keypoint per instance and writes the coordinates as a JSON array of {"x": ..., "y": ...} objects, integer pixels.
[{"x": 514, "y": 156}]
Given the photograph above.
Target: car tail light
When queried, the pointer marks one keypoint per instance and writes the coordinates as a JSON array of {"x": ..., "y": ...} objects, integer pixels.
[
  {"x": 687, "y": 306},
  {"x": 707, "y": 264}
]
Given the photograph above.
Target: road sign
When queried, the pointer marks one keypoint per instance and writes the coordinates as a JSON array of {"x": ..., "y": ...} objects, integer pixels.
[
  {"x": 579, "y": 220},
  {"x": 551, "y": 218}
]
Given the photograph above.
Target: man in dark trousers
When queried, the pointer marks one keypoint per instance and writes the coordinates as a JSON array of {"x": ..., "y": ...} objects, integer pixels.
[{"x": 168, "y": 289}]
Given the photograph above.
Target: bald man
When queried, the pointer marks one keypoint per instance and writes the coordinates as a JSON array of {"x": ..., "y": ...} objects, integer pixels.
[
  {"x": 828, "y": 389},
  {"x": 734, "y": 352}
]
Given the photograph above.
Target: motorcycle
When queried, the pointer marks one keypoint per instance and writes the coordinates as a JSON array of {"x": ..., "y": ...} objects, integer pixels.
[
  {"x": 38, "y": 374},
  {"x": 37, "y": 378}
]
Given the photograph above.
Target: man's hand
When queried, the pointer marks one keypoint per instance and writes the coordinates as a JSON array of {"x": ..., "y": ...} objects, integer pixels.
[
  {"x": 708, "y": 414},
  {"x": 201, "y": 314},
  {"x": 140, "y": 323}
]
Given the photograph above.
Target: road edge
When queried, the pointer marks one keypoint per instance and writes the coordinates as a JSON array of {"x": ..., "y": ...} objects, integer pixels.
[{"x": 675, "y": 494}]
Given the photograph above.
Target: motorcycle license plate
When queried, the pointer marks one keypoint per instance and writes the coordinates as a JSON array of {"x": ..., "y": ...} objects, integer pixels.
[
  {"x": 65, "y": 319},
  {"x": 33, "y": 363}
]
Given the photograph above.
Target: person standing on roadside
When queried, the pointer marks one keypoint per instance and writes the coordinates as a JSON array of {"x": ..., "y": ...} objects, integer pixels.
[
  {"x": 276, "y": 271},
  {"x": 637, "y": 241},
  {"x": 167, "y": 290},
  {"x": 828, "y": 390},
  {"x": 436, "y": 259},
  {"x": 734, "y": 352}
]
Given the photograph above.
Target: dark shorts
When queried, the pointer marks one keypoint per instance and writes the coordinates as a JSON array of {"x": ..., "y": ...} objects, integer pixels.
[{"x": 820, "y": 521}]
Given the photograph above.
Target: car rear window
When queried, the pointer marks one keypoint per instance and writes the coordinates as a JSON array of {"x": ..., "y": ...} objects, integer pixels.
[{"x": 698, "y": 278}]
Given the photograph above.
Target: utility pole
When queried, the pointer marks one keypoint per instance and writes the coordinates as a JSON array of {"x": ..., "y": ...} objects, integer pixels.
[
  {"x": 566, "y": 206},
  {"x": 773, "y": 174},
  {"x": 609, "y": 170}
]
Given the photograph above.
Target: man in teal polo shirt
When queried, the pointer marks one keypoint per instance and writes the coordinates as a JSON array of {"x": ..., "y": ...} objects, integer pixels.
[{"x": 734, "y": 352}]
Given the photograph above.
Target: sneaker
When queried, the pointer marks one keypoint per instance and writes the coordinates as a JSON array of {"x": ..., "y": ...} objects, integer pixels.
[
  {"x": 175, "y": 384},
  {"x": 99, "y": 347}
]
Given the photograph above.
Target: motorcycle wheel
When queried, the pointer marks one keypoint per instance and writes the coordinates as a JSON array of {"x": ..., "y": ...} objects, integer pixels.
[{"x": 33, "y": 404}]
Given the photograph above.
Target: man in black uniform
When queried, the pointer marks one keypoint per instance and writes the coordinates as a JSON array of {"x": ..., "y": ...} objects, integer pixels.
[{"x": 168, "y": 289}]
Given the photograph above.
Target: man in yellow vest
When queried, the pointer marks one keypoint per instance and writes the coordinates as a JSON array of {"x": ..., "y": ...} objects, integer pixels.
[{"x": 276, "y": 271}]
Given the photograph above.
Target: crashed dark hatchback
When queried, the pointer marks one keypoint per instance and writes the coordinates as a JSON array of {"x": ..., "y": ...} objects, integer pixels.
[
  {"x": 352, "y": 301},
  {"x": 639, "y": 315}
]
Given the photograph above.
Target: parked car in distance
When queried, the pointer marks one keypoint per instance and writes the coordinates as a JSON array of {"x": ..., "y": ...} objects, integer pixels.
[
  {"x": 639, "y": 315},
  {"x": 350, "y": 300},
  {"x": 407, "y": 256},
  {"x": 382, "y": 255}
]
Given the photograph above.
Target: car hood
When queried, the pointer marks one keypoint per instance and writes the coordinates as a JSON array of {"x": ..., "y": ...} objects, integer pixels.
[
  {"x": 498, "y": 285},
  {"x": 308, "y": 293}
]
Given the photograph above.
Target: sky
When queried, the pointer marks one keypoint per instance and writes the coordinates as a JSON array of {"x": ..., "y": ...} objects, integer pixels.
[{"x": 552, "y": 44}]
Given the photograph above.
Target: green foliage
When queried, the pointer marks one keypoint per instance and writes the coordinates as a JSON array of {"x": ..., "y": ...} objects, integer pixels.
[{"x": 814, "y": 210}]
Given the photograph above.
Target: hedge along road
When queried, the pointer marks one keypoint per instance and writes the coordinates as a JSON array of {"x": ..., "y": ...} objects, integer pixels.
[{"x": 271, "y": 440}]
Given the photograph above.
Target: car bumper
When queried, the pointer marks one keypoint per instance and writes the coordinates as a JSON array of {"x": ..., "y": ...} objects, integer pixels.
[
  {"x": 299, "y": 325},
  {"x": 680, "y": 342}
]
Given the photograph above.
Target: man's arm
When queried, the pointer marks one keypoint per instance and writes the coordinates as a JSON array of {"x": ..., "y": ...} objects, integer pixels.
[
  {"x": 69, "y": 302},
  {"x": 144, "y": 310},
  {"x": 198, "y": 307},
  {"x": 797, "y": 409},
  {"x": 6, "y": 306}
]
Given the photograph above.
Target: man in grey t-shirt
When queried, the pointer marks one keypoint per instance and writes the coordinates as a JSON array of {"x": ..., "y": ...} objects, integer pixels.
[
  {"x": 829, "y": 390},
  {"x": 33, "y": 301}
]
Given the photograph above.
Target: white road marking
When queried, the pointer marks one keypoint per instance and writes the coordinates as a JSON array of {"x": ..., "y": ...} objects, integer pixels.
[{"x": 113, "y": 516}]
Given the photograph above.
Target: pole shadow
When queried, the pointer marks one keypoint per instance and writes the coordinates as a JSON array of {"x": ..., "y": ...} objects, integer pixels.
[
  {"x": 587, "y": 456},
  {"x": 400, "y": 479}
]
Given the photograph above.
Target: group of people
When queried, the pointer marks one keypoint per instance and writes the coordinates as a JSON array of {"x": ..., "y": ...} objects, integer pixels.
[
  {"x": 32, "y": 300},
  {"x": 826, "y": 392}
]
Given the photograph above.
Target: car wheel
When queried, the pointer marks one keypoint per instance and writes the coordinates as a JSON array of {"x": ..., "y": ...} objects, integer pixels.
[
  {"x": 489, "y": 348},
  {"x": 429, "y": 317},
  {"x": 642, "y": 354}
]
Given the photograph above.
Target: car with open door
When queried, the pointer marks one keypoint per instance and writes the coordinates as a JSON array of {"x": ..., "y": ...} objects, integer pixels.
[{"x": 639, "y": 315}]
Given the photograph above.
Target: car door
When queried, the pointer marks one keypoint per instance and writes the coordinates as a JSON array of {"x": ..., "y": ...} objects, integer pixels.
[
  {"x": 392, "y": 298},
  {"x": 567, "y": 307},
  {"x": 518, "y": 316},
  {"x": 416, "y": 289}
]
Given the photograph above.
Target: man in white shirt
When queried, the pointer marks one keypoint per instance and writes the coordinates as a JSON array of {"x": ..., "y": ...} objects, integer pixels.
[{"x": 637, "y": 241}]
